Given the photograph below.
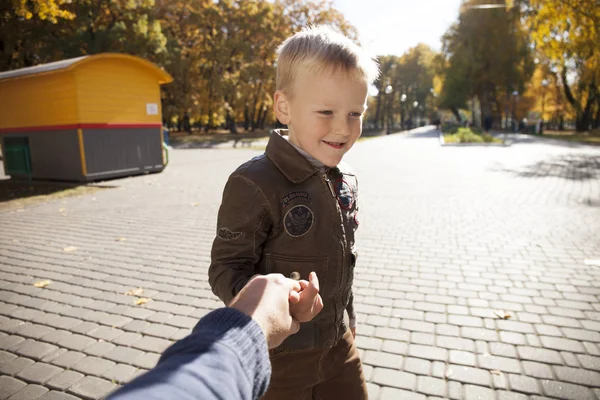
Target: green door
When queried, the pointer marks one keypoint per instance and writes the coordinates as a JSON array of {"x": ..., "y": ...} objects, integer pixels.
[{"x": 17, "y": 156}]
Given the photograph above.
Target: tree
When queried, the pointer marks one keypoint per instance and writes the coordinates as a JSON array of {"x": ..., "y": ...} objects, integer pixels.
[{"x": 567, "y": 33}]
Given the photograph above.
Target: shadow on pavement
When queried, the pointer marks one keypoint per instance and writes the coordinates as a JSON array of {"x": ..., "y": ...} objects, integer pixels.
[{"x": 573, "y": 167}]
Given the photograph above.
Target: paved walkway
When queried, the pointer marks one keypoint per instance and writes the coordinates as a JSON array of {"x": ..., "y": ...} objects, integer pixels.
[{"x": 478, "y": 277}]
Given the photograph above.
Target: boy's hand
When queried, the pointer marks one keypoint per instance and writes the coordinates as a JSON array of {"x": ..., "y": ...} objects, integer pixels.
[
  {"x": 310, "y": 303},
  {"x": 353, "y": 330}
]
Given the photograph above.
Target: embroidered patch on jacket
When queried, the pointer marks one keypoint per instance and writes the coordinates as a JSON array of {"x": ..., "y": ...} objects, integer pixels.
[
  {"x": 298, "y": 220},
  {"x": 344, "y": 194},
  {"x": 227, "y": 234},
  {"x": 294, "y": 195}
]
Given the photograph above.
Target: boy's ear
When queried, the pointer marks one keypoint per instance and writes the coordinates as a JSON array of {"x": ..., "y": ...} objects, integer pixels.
[{"x": 281, "y": 107}]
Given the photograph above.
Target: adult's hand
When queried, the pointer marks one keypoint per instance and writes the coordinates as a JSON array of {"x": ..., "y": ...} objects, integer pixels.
[{"x": 267, "y": 299}]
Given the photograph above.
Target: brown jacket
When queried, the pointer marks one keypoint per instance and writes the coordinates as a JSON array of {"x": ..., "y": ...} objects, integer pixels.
[{"x": 280, "y": 214}]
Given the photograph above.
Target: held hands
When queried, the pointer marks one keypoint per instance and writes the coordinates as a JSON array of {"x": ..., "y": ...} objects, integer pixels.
[
  {"x": 279, "y": 304},
  {"x": 309, "y": 302}
]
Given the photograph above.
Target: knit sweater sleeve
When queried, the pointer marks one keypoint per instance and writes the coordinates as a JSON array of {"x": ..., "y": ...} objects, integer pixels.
[{"x": 225, "y": 357}]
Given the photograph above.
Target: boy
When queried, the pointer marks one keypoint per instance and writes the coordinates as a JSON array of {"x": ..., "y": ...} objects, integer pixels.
[{"x": 293, "y": 211}]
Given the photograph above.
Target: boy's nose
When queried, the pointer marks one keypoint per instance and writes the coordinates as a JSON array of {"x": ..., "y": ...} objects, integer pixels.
[{"x": 342, "y": 128}]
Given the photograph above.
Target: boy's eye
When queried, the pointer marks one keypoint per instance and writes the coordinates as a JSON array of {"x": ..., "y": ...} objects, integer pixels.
[
  {"x": 326, "y": 112},
  {"x": 356, "y": 114}
]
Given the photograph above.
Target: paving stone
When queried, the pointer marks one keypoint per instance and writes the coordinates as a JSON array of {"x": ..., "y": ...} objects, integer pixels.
[
  {"x": 548, "y": 330},
  {"x": 438, "y": 369},
  {"x": 57, "y": 336},
  {"x": 470, "y": 375},
  {"x": 515, "y": 326},
  {"x": 539, "y": 355},
  {"x": 562, "y": 344},
  {"x": 120, "y": 373},
  {"x": 91, "y": 387},
  {"x": 462, "y": 358},
  {"x": 15, "y": 366},
  {"x": 567, "y": 391},
  {"x": 367, "y": 371},
  {"x": 393, "y": 334},
  {"x": 33, "y": 331},
  {"x": 368, "y": 343},
  {"x": 503, "y": 364},
  {"x": 427, "y": 352},
  {"x": 64, "y": 380},
  {"x": 591, "y": 348},
  {"x": 537, "y": 370},
  {"x": 392, "y": 346},
  {"x": 455, "y": 391},
  {"x": 6, "y": 357},
  {"x": 570, "y": 359},
  {"x": 34, "y": 349},
  {"x": 99, "y": 349},
  {"x": 463, "y": 320},
  {"x": 417, "y": 366},
  {"x": 431, "y": 386},
  {"x": 123, "y": 355},
  {"x": 477, "y": 392},
  {"x": 373, "y": 391},
  {"x": 54, "y": 395},
  {"x": 84, "y": 328},
  {"x": 523, "y": 384},
  {"x": 582, "y": 334},
  {"x": 29, "y": 392},
  {"x": 10, "y": 386},
  {"x": 146, "y": 360},
  {"x": 394, "y": 378},
  {"x": 561, "y": 321},
  {"x": 39, "y": 372},
  {"x": 105, "y": 333},
  {"x": 380, "y": 359},
  {"x": 455, "y": 343},
  {"x": 388, "y": 393},
  {"x": 426, "y": 339},
  {"x": 153, "y": 344},
  {"x": 512, "y": 338},
  {"x": 479, "y": 334},
  {"x": 577, "y": 375},
  {"x": 589, "y": 362},
  {"x": 504, "y": 395},
  {"x": 418, "y": 326},
  {"x": 77, "y": 342},
  {"x": 91, "y": 365},
  {"x": 447, "y": 330},
  {"x": 63, "y": 322},
  {"x": 533, "y": 340}
]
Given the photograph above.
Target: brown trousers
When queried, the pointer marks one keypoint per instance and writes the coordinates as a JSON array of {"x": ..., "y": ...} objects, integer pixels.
[{"x": 322, "y": 374}]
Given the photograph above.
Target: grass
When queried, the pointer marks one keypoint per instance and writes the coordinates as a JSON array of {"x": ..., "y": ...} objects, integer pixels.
[
  {"x": 591, "y": 137},
  {"x": 468, "y": 135}
]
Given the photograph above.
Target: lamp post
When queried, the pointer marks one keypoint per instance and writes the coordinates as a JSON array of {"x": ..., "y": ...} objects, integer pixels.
[
  {"x": 402, "y": 101},
  {"x": 514, "y": 111},
  {"x": 388, "y": 91},
  {"x": 544, "y": 85}
]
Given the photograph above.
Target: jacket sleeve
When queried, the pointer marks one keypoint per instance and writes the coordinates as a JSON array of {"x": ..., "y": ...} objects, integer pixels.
[
  {"x": 243, "y": 225},
  {"x": 225, "y": 357},
  {"x": 350, "y": 307}
]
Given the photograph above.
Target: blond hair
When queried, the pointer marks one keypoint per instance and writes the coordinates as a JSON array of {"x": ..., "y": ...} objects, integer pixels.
[{"x": 318, "y": 49}]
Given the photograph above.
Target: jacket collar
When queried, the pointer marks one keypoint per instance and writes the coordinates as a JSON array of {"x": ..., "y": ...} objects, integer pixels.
[{"x": 292, "y": 164}]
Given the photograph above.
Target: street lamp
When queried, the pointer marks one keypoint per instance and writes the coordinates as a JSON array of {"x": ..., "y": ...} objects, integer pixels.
[
  {"x": 388, "y": 90},
  {"x": 515, "y": 95},
  {"x": 544, "y": 85}
]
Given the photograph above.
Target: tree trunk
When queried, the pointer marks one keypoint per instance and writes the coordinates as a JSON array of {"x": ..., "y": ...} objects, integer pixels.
[
  {"x": 246, "y": 118},
  {"x": 456, "y": 114}
]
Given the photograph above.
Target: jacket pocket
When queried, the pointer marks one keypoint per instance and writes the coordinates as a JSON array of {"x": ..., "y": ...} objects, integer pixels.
[{"x": 298, "y": 267}]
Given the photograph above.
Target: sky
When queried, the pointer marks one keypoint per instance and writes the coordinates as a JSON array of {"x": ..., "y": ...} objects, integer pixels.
[{"x": 390, "y": 27}]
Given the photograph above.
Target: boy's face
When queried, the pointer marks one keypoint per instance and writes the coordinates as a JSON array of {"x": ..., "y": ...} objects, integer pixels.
[{"x": 324, "y": 114}]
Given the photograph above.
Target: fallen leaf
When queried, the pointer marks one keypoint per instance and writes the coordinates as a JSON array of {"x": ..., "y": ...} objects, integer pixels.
[
  {"x": 141, "y": 301},
  {"x": 42, "y": 284},
  {"x": 135, "y": 292},
  {"x": 595, "y": 263},
  {"x": 121, "y": 239},
  {"x": 61, "y": 210},
  {"x": 502, "y": 314},
  {"x": 195, "y": 204},
  {"x": 69, "y": 249},
  {"x": 496, "y": 372}
]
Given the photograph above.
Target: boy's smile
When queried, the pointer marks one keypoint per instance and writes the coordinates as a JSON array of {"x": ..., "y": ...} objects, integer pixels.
[{"x": 324, "y": 113}]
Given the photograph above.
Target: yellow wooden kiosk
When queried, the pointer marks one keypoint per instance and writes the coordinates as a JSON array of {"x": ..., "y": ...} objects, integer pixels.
[{"x": 83, "y": 119}]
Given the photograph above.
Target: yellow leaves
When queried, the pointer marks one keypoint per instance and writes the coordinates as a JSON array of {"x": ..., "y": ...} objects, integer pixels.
[
  {"x": 69, "y": 249},
  {"x": 194, "y": 204},
  {"x": 121, "y": 239},
  {"x": 135, "y": 292},
  {"x": 141, "y": 301},
  {"x": 502, "y": 314},
  {"x": 49, "y": 10},
  {"x": 42, "y": 284}
]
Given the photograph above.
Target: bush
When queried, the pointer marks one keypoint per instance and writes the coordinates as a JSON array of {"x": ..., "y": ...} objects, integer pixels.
[{"x": 468, "y": 135}]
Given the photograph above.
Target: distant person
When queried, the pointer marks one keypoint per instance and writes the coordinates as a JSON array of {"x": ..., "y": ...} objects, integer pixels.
[
  {"x": 294, "y": 210},
  {"x": 226, "y": 355}
]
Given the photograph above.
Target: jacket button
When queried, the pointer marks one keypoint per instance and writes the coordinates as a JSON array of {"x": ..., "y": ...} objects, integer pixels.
[{"x": 295, "y": 275}]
